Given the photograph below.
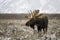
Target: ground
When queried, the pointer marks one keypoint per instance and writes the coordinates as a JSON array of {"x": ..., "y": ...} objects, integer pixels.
[{"x": 13, "y": 29}]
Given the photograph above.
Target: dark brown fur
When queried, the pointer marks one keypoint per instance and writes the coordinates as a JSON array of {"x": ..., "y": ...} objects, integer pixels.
[{"x": 41, "y": 21}]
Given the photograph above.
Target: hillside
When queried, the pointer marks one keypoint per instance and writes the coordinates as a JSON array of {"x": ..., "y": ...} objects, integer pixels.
[{"x": 22, "y": 16}]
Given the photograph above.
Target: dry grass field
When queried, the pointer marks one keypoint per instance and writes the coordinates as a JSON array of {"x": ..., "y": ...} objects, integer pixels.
[{"x": 15, "y": 29}]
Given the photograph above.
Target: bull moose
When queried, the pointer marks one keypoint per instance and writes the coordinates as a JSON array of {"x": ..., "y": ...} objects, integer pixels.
[{"x": 41, "y": 21}]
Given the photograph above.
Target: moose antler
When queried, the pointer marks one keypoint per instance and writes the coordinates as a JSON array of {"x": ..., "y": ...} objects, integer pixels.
[
  {"x": 29, "y": 15},
  {"x": 32, "y": 13}
]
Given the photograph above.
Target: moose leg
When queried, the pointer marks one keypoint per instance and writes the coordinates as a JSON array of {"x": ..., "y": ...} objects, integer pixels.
[
  {"x": 45, "y": 30},
  {"x": 32, "y": 26},
  {"x": 39, "y": 29}
]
